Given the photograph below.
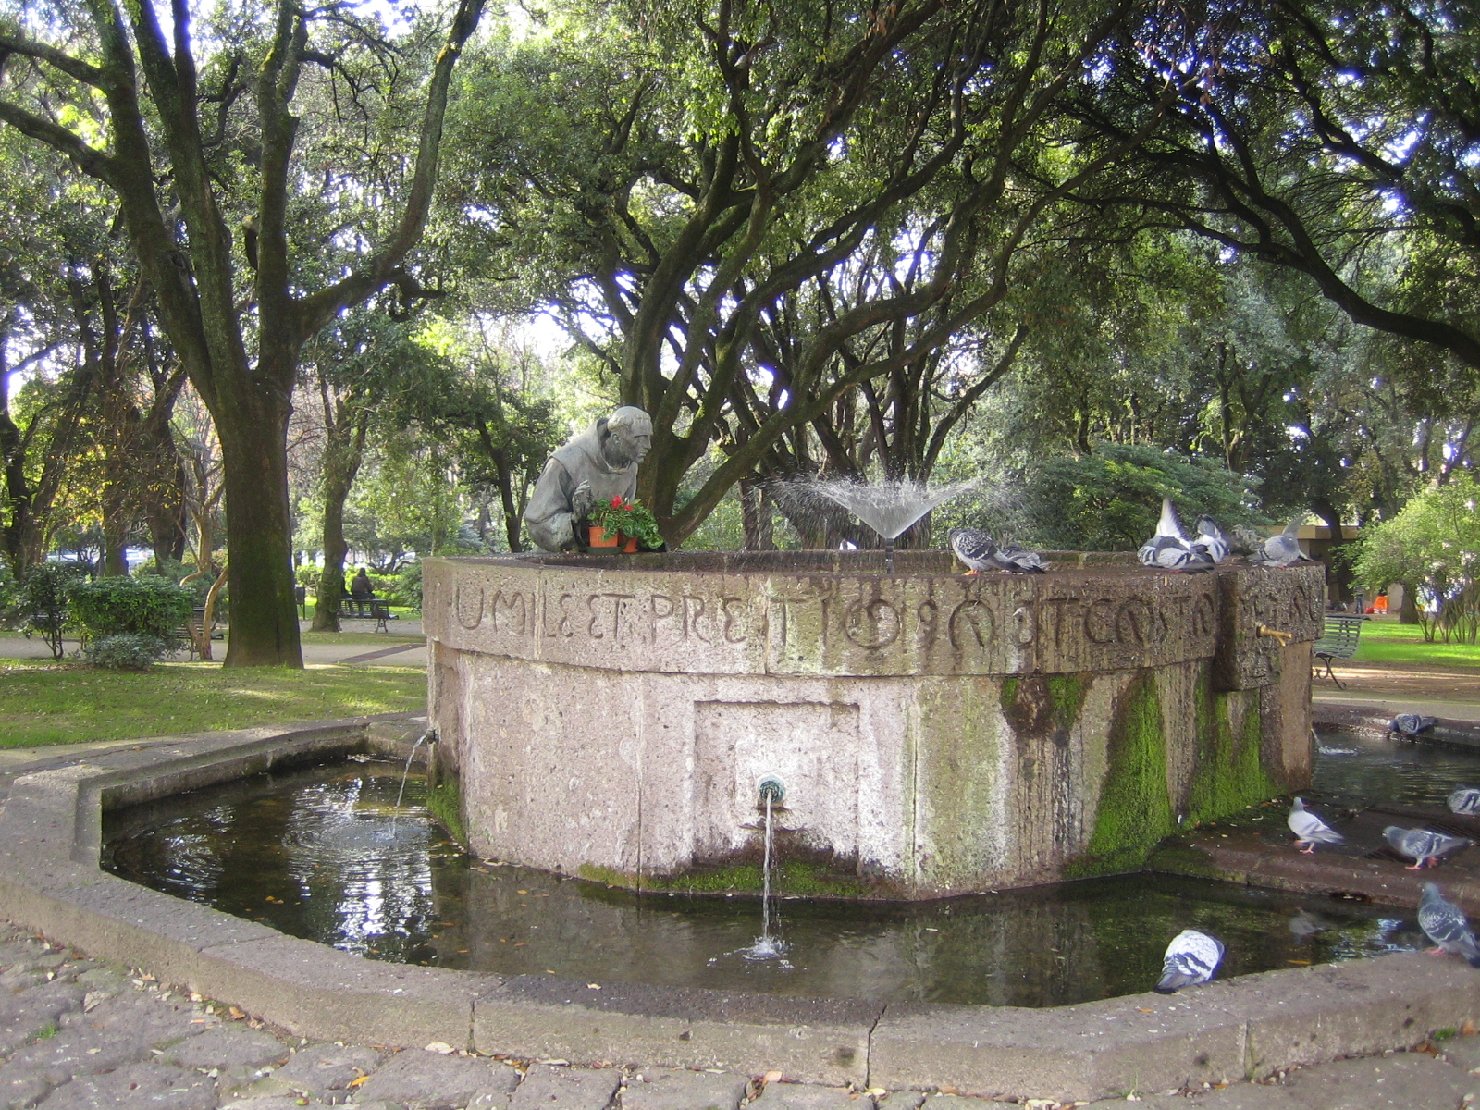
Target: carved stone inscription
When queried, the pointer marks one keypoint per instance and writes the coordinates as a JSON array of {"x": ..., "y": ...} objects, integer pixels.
[{"x": 841, "y": 625}]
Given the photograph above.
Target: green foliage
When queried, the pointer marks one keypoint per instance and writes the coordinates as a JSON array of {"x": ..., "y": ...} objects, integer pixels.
[
  {"x": 125, "y": 651},
  {"x": 1432, "y": 544},
  {"x": 404, "y": 588},
  {"x": 44, "y": 599},
  {"x": 145, "y": 606},
  {"x": 1110, "y": 500},
  {"x": 444, "y": 803},
  {"x": 629, "y": 518}
]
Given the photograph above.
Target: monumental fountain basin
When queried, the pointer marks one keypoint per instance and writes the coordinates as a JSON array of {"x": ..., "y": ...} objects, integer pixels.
[{"x": 920, "y": 733}]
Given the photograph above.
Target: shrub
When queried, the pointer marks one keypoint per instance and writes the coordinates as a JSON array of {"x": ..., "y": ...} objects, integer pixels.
[
  {"x": 44, "y": 599},
  {"x": 142, "y": 606},
  {"x": 404, "y": 588},
  {"x": 126, "y": 651}
]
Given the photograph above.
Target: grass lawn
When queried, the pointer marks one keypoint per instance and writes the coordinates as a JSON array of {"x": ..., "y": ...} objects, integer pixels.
[
  {"x": 63, "y": 703},
  {"x": 1387, "y": 641}
]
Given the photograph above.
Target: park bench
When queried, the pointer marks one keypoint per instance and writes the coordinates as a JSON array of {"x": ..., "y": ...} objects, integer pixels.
[
  {"x": 1338, "y": 641},
  {"x": 371, "y": 608},
  {"x": 193, "y": 632}
]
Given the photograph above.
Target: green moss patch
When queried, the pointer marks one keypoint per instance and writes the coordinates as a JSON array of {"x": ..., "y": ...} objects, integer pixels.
[
  {"x": 1135, "y": 811},
  {"x": 444, "y": 803},
  {"x": 1228, "y": 771},
  {"x": 792, "y": 879}
]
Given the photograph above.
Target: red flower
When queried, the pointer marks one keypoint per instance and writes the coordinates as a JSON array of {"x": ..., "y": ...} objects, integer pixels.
[{"x": 617, "y": 501}]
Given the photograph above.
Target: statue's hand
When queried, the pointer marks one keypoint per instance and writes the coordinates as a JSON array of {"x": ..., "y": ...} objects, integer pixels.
[{"x": 581, "y": 501}]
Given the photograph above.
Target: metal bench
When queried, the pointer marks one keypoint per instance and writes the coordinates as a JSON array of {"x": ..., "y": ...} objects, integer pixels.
[
  {"x": 1338, "y": 641},
  {"x": 372, "y": 608}
]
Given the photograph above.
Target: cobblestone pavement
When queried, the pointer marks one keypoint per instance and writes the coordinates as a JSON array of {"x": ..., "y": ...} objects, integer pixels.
[{"x": 76, "y": 1034}]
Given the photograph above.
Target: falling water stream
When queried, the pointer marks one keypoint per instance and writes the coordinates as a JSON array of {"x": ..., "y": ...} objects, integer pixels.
[{"x": 346, "y": 855}]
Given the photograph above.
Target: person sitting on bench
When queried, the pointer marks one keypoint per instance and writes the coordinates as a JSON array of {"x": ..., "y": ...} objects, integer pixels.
[{"x": 361, "y": 591}]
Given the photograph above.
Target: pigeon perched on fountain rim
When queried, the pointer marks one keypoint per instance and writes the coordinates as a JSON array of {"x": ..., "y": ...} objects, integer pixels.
[
  {"x": 1191, "y": 958},
  {"x": 1424, "y": 846},
  {"x": 1310, "y": 829},
  {"x": 1445, "y": 924},
  {"x": 973, "y": 547},
  {"x": 1211, "y": 538},
  {"x": 1282, "y": 549},
  {"x": 1169, "y": 548}
]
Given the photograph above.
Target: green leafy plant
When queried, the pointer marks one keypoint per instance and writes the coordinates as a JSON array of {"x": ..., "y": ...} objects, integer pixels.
[
  {"x": 630, "y": 518},
  {"x": 43, "y": 600},
  {"x": 126, "y": 651},
  {"x": 142, "y": 606}
]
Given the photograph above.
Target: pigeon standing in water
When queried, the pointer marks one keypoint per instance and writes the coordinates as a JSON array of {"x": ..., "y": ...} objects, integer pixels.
[
  {"x": 1423, "y": 846},
  {"x": 1465, "y": 800},
  {"x": 1169, "y": 549},
  {"x": 1282, "y": 550},
  {"x": 1309, "y": 829},
  {"x": 1212, "y": 539},
  {"x": 973, "y": 547},
  {"x": 1446, "y": 926},
  {"x": 1191, "y": 958},
  {"x": 1407, "y": 726}
]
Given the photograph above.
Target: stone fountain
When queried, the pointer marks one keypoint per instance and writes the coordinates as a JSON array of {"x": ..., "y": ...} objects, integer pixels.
[{"x": 933, "y": 733}]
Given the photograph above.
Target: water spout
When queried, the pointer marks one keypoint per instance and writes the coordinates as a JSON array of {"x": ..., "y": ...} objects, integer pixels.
[
  {"x": 429, "y": 737},
  {"x": 769, "y": 792},
  {"x": 1283, "y": 638}
]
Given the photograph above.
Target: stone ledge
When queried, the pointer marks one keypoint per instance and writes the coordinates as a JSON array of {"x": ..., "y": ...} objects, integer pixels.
[{"x": 1249, "y": 1027}]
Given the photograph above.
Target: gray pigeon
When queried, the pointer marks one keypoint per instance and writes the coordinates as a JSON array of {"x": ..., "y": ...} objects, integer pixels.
[
  {"x": 1011, "y": 557},
  {"x": 1169, "y": 548},
  {"x": 973, "y": 547},
  {"x": 1424, "y": 846},
  {"x": 1465, "y": 800},
  {"x": 1409, "y": 725},
  {"x": 1445, "y": 924},
  {"x": 1309, "y": 829},
  {"x": 1191, "y": 958},
  {"x": 1282, "y": 550},
  {"x": 1211, "y": 538}
]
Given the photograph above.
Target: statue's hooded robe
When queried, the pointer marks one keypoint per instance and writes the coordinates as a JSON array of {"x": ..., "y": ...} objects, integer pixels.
[{"x": 549, "y": 517}]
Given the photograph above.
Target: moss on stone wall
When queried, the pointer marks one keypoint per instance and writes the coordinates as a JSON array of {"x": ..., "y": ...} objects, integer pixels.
[
  {"x": 1042, "y": 705},
  {"x": 444, "y": 803},
  {"x": 1228, "y": 773},
  {"x": 1134, "y": 810},
  {"x": 793, "y": 879},
  {"x": 1067, "y": 693}
]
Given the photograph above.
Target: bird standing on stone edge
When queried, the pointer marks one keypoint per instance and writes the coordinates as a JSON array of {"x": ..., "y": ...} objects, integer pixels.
[
  {"x": 1283, "y": 549},
  {"x": 1408, "y": 726},
  {"x": 1309, "y": 829},
  {"x": 1424, "y": 846},
  {"x": 1211, "y": 538},
  {"x": 1191, "y": 958},
  {"x": 1465, "y": 800},
  {"x": 1169, "y": 548},
  {"x": 973, "y": 547},
  {"x": 1446, "y": 926}
]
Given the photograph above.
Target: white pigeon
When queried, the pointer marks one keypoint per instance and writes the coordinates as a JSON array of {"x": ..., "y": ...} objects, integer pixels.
[
  {"x": 1282, "y": 549},
  {"x": 1011, "y": 557},
  {"x": 1446, "y": 926},
  {"x": 1309, "y": 829},
  {"x": 1409, "y": 725},
  {"x": 1169, "y": 548},
  {"x": 1424, "y": 846},
  {"x": 973, "y": 547},
  {"x": 1212, "y": 538},
  {"x": 1466, "y": 800},
  {"x": 1191, "y": 959}
]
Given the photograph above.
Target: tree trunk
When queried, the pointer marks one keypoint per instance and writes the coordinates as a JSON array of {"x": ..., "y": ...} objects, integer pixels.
[{"x": 259, "y": 535}]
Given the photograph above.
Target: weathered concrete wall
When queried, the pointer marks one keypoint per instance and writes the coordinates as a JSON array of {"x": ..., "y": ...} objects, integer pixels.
[{"x": 934, "y": 732}]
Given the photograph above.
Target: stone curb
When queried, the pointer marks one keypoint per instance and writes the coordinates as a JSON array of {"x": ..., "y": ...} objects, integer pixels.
[{"x": 50, "y": 881}]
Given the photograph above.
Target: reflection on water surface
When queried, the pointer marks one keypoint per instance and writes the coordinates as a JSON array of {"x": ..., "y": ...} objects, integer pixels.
[{"x": 322, "y": 854}]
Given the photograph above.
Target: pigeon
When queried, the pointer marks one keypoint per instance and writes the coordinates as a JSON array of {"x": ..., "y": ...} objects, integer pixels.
[
  {"x": 1282, "y": 550},
  {"x": 1212, "y": 539},
  {"x": 1310, "y": 830},
  {"x": 1409, "y": 725},
  {"x": 973, "y": 547},
  {"x": 1446, "y": 926},
  {"x": 1466, "y": 800},
  {"x": 1169, "y": 549},
  {"x": 1011, "y": 557},
  {"x": 1190, "y": 959},
  {"x": 1424, "y": 846}
]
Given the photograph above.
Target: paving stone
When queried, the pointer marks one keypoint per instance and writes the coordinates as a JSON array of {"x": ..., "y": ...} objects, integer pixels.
[
  {"x": 680, "y": 1089},
  {"x": 140, "y": 1084},
  {"x": 1463, "y": 1053},
  {"x": 804, "y": 1096},
  {"x": 1402, "y": 1081},
  {"x": 117, "y": 1031},
  {"x": 226, "y": 1047},
  {"x": 1236, "y": 1096},
  {"x": 900, "y": 1100},
  {"x": 547, "y": 1088},
  {"x": 320, "y": 1068},
  {"x": 27, "y": 1013},
  {"x": 429, "y": 1081}
]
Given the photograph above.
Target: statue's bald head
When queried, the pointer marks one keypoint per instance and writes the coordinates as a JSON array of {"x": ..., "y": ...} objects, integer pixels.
[{"x": 630, "y": 434}]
